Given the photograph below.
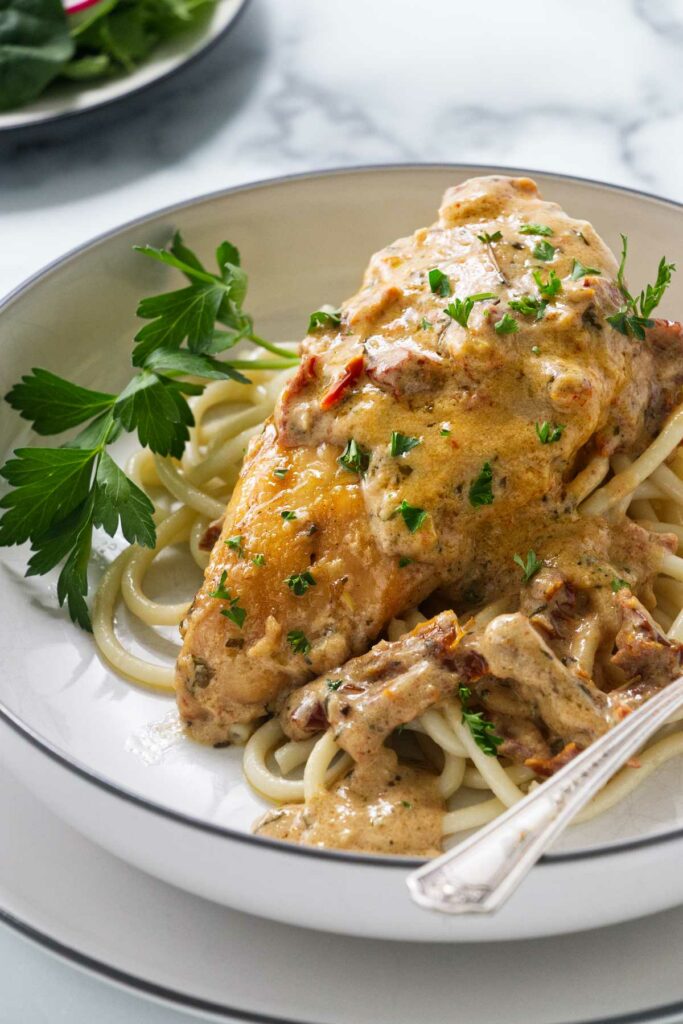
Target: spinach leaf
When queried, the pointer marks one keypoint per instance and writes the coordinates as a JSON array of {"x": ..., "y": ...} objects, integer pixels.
[{"x": 34, "y": 46}]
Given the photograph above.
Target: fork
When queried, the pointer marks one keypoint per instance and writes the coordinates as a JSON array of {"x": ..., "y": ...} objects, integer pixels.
[{"x": 480, "y": 874}]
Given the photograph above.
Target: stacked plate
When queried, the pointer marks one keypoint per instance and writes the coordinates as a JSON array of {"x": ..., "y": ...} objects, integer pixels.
[{"x": 107, "y": 759}]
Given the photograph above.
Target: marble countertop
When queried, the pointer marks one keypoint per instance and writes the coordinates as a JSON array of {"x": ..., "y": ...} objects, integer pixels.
[{"x": 573, "y": 86}]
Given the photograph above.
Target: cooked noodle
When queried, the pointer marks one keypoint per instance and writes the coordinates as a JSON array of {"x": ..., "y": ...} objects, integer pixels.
[{"x": 188, "y": 494}]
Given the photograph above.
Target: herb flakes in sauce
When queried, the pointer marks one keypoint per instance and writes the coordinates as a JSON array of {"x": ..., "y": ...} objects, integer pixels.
[
  {"x": 549, "y": 433},
  {"x": 355, "y": 458},
  {"x": 233, "y": 612},
  {"x": 550, "y": 288},
  {"x": 579, "y": 270},
  {"x": 460, "y": 309},
  {"x": 544, "y": 251},
  {"x": 439, "y": 283},
  {"x": 483, "y": 731},
  {"x": 529, "y": 567},
  {"x": 401, "y": 444},
  {"x": 299, "y": 582},
  {"x": 619, "y": 584},
  {"x": 298, "y": 641},
  {"x": 412, "y": 516},
  {"x": 236, "y": 544},
  {"x": 481, "y": 490},
  {"x": 527, "y": 305},
  {"x": 535, "y": 229},
  {"x": 324, "y": 318},
  {"x": 506, "y": 325},
  {"x": 488, "y": 239}
]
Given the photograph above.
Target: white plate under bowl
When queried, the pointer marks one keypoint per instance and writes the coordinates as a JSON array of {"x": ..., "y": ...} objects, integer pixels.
[
  {"x": 89, "y": 744},
  {"x": 67, "y": 99},
  {"x": 102, "y": 915}
]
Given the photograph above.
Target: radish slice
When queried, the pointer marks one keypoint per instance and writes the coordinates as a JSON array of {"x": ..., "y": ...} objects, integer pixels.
[{"x": 75, "y": 6}]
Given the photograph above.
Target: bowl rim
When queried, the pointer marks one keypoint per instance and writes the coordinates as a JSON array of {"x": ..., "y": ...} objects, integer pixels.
[{"x": 26, "y": 732}]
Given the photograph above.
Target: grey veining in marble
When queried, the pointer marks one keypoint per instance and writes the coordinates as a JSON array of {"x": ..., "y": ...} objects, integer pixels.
[{"x": 587, "y": 88}]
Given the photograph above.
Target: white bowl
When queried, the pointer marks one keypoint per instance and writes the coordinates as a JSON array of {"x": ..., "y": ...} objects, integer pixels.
[{"x": 80, "y": 737}]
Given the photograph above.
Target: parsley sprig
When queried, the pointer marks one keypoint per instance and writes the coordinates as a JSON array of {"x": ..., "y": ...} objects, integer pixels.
[
  {"x": 59, "y": 495},
  {"x": 635, "y": 314}
]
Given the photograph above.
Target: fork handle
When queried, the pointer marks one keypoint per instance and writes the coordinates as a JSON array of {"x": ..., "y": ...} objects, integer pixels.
[{"x": 481, "y": 873}]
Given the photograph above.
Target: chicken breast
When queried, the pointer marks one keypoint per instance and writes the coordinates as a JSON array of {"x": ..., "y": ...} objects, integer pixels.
[{"x": 428, "y": 435}]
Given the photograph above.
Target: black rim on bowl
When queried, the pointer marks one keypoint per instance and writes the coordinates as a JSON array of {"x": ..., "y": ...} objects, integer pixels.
[{"x": 63, "y": 759}]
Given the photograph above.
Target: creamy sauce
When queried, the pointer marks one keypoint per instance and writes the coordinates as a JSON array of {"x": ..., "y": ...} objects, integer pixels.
[
  {"x": 426, "y": 374},
  {"x": 381, "y": 807}
]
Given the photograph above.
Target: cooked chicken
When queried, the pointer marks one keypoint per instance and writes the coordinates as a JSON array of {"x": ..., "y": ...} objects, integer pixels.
[
  {"x": 518, "y": 666},
  {"x": 426, "y": 438}
]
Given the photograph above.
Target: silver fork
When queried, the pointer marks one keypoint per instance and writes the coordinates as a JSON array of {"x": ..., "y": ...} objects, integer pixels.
[{"x": 481, "y": 873}]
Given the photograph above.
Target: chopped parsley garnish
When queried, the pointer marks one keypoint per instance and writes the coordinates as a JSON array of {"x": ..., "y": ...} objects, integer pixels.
[
  {"x": 288, "y": 515},
  {"x": 506, "y": 325},
  {"x": 413, "y": 516},
  {"x": 487, "y": 239},
  {"x": 580, "y": 270},
  {"x": 550, "y": 288},
  {"x": 61, "y": 494},
  {"x": 544, "y": 251},
  {"x": 298, "y": 642},
  {"x": 535, "y": 350},
  {"x": 299, "y": 582},
  {"x": 634, "y": 315},
  {"x": 324, "y": 318},
  {"x": 404, "y": 561},
  {"x": 535, "y": 229},
  {"x": 355, "y": 458},
  {"x": 236, "y": 544},
  {"x": 549, "y": 433},
  {"x": 445, "y": 430},
  {"x": 281, "y": 472},
  {"x": 406, "y": 804},
  {"x": 481, "y": 490},
  {"x": 259, "y": 560},
  {"x": 460, "y": 309},
  {"x": 439, "y": 283},
  {"x": 234, "y": 612},
  {"x": 529, "y": 567},
  {"x": 401, "y": 444},
  {"x": 483, "y": 731},
  {"x": 334, "y": 684},
  {"x": 425, "y": 324},
  {"x": 527, "y": 305},
  {"x": 619, "y": 584}
]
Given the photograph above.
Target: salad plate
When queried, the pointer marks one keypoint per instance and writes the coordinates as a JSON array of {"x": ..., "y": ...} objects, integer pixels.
[
  {"x": 69, "y": 99},
  {"x": 109, "y": 757}
]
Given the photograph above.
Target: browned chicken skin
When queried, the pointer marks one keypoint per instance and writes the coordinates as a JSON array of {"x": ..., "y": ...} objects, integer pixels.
[{"x": 378, "y": 540}]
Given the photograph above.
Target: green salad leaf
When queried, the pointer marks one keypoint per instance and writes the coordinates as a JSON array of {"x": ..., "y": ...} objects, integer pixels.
[{"x": 34, "y": 47}]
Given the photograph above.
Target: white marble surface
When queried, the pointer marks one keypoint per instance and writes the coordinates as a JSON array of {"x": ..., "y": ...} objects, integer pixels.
[
  {"x": 587, "y": 88},
  {"x": 574, "y": 86}
]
